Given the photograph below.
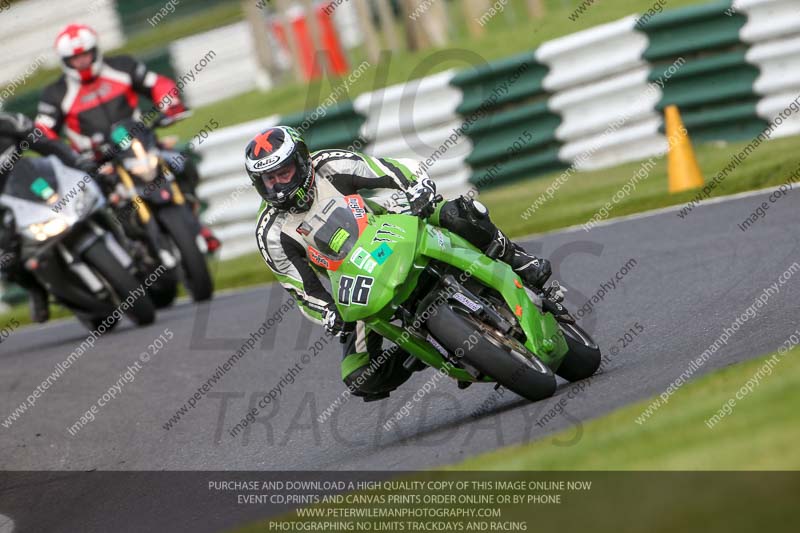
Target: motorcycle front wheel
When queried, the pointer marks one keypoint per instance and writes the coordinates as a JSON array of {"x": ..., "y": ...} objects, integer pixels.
[
  {"x": 583, "y": 358},
  {"x": 501, "y": 357},
  {"x": 175, "y": 220},
  {"x": 141, "y": 311}
]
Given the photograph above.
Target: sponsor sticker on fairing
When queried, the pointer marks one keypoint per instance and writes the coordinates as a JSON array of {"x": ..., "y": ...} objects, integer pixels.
[
  {"x": 363, "y": 260},
  {"x": 439, "y": 348},
  {"x": 356, "y": 208},
  {"x": 472, "y": 306}
]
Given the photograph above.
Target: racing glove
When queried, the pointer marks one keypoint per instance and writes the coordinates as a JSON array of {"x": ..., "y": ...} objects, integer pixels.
[
  {"x": 333, "y": 323},
  {"x": 421, "y": 197}
]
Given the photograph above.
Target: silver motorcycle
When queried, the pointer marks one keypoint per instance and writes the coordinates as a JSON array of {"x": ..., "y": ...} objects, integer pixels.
[{"x": 69, "y": 243}]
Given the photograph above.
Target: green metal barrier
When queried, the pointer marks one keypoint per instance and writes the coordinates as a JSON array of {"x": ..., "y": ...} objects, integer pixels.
[
  {"x": 504, "y": 107},
  {"x": 500, "y": 83},
  {"x": 339, "y": 127},
  {"x": 691, "y": 29}
]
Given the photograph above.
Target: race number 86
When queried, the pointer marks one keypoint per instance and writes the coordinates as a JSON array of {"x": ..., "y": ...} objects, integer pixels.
[{"x": 354, "y": 290}]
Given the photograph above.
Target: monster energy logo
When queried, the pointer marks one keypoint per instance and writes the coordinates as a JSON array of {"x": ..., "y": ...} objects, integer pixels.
[
  {"x": 386, "y": 233},
  {"x": 294, "y": 134}
]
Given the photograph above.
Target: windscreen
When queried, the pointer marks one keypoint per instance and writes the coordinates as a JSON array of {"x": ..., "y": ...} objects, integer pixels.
[{"x": 32, "y": 180}]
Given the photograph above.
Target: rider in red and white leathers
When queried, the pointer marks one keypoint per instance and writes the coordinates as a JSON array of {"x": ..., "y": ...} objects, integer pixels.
[{"x": 94, "y": 93}]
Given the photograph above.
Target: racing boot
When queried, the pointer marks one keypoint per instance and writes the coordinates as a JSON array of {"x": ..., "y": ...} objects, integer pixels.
[{"x": 533, "y": 270}]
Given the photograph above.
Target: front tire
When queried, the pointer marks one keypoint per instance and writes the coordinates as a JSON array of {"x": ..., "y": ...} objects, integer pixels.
[
  {"x": 504, "y": 359},
  {"x": 94, "y": 323},
  {"x": 142, "y": 311},
  {"x": 164, "y": 291},
  {"x": 583, "y": 358}
]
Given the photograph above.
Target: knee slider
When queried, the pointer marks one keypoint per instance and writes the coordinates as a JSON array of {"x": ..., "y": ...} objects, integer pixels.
[{"x": 460, "y": 217}]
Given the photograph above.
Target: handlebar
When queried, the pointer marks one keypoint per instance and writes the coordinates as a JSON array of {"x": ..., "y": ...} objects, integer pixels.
[{"x": 109, "y": 151}]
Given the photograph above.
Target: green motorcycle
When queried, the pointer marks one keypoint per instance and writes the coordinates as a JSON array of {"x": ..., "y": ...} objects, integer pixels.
[{"x": 443, "y": 301}]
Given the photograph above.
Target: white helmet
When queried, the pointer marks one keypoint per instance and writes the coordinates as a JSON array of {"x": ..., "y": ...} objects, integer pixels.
[{"x": 76, "y": 39}]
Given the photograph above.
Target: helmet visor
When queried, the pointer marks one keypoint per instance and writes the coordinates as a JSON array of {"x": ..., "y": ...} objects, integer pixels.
[
  {"x": 281, "y": 180},
  {"x": 81, "y": 61}
]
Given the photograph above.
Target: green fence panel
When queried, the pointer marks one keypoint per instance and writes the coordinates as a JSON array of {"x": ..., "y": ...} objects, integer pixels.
[
  {"x": 499, "y": 83},
  {"x": 135, "y": 14},
  {"x": 339, "y": 128},
  {"x": 13, "y": 294},
  {"x": 520, "y": 130},
  {"x": 719, "y": 78},
  {"x": 25, "y": 102},
  {"x": 515, "y": 168},
  {"x": 732, "y": 122},
  {"x": 691, "y": 29}
]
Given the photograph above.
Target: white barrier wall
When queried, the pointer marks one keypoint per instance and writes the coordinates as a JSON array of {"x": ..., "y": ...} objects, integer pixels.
[
  {"x": 592, "y": 54},
  {"x": 602, "y": 94},
  {"x": 28, "y": 31},
  {"x": 413, "y": 120},
  {"x": 767, "y": 19},
  {"x": 233, "y": 70}
]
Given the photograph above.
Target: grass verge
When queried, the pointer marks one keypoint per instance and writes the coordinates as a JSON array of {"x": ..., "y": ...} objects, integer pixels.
[{"x": 761, "y": 433}]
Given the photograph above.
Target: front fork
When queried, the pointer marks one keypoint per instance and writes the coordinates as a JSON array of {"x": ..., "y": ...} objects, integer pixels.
[
  {"x": 45, "y": 266},
  {"x": 145, "y": 215}
]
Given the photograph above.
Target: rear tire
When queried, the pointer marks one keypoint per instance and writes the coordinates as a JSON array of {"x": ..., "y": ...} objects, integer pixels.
[
  {"x": 504, "y": 359},
  {"x": 142, "y": 311},
  {"x": 198, "y": 278},
  {"x": 583, "y": 358}
]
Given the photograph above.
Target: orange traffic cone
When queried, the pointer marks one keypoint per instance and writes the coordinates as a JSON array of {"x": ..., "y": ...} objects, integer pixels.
[{"x": 682, "y": 168}]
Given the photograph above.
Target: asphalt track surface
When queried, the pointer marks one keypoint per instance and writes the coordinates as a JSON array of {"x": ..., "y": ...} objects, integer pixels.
[{"x": 692, "y": 277}]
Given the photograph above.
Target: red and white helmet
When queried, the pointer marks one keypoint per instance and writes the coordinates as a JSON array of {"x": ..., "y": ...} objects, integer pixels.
[{"x": 77, "y": 39}]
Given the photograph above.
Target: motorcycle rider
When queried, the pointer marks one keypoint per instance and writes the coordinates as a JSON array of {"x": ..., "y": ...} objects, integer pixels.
[
  {"x": 94, "y": 93},
  {"x": 17, "y": 133},
  {"x": 289, "y": 178}
]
